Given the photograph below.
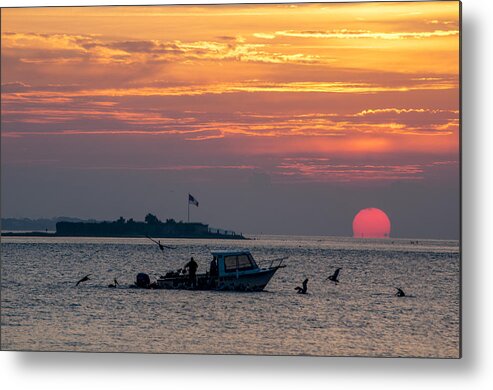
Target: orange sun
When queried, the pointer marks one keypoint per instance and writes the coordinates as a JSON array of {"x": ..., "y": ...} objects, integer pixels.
[{"x": 371, "y": 223}]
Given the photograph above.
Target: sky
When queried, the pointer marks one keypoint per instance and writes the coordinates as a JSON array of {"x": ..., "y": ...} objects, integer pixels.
[{"x": 278, "y": 119}]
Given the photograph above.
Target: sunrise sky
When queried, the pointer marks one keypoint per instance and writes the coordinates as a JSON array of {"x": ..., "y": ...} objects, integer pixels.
[{"x": 277, "y": 118}]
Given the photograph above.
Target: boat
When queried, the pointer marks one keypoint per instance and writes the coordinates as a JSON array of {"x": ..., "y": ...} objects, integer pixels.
[{"x": 229, "y": 271}]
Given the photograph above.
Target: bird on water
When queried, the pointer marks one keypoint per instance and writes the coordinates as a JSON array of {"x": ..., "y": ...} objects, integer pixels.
[
  {"x": 334, "y": 276},
  {"x": 400, "y": 292},
  {"x": 84, "y": 279},
  {"x": 304, "y": 289},
  {"x": 114, "y": 284}
]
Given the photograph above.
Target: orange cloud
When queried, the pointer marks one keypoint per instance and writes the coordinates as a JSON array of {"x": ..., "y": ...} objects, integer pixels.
[
  {"x": 323, "y": 170},
  {"x": 359, "y": 34}
]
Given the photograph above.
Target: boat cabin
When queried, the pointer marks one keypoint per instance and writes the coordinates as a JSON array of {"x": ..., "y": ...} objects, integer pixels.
[{"x": 229, "y": 262}]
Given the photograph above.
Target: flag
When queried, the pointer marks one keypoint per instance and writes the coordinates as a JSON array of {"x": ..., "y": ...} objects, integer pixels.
[{"x": 192, "y": 200}]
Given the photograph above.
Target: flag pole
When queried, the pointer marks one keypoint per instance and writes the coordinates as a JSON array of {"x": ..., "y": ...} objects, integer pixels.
[{"x": 188, "y": 214}]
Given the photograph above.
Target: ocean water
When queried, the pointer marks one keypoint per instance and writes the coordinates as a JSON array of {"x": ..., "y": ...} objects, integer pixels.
[{"x": 42, "y": 310}]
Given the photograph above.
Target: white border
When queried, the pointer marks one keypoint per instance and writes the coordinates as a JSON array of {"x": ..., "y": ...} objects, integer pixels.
[{"x": 474, "y": 370}]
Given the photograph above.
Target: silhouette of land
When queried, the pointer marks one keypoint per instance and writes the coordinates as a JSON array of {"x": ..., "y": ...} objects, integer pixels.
[
  {"x": 151, "y": 226},
  {"x": 41, "y": 224}
]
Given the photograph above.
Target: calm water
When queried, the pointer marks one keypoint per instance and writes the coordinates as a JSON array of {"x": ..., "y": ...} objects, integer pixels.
[{"x": 42, "y": 310}]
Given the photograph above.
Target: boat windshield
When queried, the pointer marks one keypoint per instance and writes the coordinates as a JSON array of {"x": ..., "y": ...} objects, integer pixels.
[
  {"x": 252, "y": 261},
  {"x": 241, "y": 262}
]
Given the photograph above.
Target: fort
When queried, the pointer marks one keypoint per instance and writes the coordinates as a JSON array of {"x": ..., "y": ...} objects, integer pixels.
[{"x": 151, "y": 226}]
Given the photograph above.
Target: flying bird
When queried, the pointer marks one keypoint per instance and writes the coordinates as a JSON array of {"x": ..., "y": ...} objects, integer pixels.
[
  {"x": 161, "y": 246},
  {"x": 400, "y": 292},
  {"x": 302, "y": 290},
  {"x": 84, "y": 279},
  {"x": 334, "y": 276}
]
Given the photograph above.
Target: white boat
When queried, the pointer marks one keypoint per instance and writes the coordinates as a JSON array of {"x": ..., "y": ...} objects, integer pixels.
[{"x": 229, "y": 271}]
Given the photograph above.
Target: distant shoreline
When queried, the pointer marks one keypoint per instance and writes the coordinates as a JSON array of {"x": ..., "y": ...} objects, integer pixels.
[
  {"x": 28, "y": 234},
  {"x": 44, "y": 234},
  {"x": 151, "y": 227}
]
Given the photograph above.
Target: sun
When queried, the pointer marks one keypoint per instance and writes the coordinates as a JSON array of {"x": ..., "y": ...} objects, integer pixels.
[{"x": 371, "y": 223}]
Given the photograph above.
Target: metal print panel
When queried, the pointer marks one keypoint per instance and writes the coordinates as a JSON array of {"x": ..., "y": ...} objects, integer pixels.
[{"x": 271, "y": 179}]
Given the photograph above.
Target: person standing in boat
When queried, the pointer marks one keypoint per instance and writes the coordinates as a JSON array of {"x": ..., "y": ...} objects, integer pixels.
[
  {"x": 214, "y": 272},
  {"x": 192, "y": 271},
  {"x": 213, "y": 268}
]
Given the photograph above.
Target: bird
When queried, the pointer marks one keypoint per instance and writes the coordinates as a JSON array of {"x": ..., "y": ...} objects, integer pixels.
[
  {"x": 84, "y": 279},
  {"x": 400, "y": 292},
  {"x": 114, "y": 284},
  {"x": 161, "y": 246},
  {"x": 334, "y": 276},
  {"x": 302, "y": 290}
]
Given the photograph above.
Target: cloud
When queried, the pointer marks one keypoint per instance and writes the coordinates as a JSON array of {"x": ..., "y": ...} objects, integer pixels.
[
  {"x": 138, "y": 46},
  {"x": 15, "y": 86},
  {"x": 366, "y": 34},
  {"x": 67, "y": 42},
  {"x": 418, "y": 121},
  {"x": 50, "y": 93},
  {"x": 93, "y": 118},
  {"x": 442, "y": 23},
  {"x": 36, "y": 48},
  {"x": 402, "y": 111},
  {"x": 264, "y": 36},
  {"x": 322, "y": 170},
  {"x": 227, "y": 38}
]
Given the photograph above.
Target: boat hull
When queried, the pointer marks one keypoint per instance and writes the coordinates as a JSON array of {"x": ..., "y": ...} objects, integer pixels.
[{"x": 248, "y": 282}]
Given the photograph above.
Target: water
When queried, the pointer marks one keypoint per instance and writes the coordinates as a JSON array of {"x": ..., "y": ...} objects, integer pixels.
[{"x": 43, "y": 310}]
